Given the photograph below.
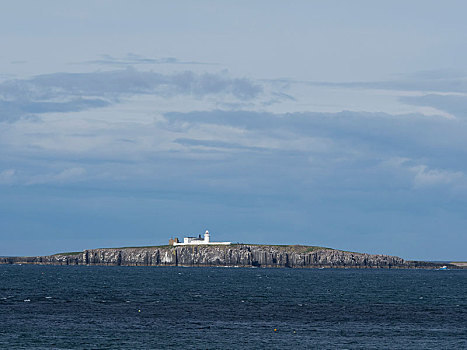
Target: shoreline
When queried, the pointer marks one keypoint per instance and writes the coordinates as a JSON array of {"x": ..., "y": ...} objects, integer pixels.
[
  {"x": 453, "y": 268},
  {"x": 240, "y": 255}
]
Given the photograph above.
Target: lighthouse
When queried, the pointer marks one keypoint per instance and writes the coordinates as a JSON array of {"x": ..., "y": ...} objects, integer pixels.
[{"x": 206, "y": 240}]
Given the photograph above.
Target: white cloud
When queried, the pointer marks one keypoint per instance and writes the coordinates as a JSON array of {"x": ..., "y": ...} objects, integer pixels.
[
  {"x": 7, "y": 176},
  {"x": 422, "y": 176},
  {"x": 426, "y": 177},
  {"x": 65, "y": 176},
  {"x": 72, "y": 92}
]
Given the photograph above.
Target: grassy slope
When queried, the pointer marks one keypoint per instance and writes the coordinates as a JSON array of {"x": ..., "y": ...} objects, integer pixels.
[{"x": 295, "y": 248}]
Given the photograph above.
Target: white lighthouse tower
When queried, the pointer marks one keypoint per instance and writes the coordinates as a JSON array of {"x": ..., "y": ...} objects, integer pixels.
[{"x": 206, "y": 237}]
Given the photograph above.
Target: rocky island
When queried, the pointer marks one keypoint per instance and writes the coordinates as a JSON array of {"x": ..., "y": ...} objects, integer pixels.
[{"x": 234, "y": 255}]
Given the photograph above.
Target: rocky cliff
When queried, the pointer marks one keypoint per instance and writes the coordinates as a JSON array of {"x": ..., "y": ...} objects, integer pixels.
[{"x": 233, "y": 255}]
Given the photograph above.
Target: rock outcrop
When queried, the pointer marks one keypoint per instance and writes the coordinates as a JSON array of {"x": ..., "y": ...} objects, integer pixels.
[{"x": 233, "y": 255}]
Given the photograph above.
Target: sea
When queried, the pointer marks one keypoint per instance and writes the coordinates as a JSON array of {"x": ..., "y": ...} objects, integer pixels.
[{"x": 98, "y": 307}]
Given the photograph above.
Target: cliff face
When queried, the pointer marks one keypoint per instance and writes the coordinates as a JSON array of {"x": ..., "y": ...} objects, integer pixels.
[{"x": 235, "y": 255}]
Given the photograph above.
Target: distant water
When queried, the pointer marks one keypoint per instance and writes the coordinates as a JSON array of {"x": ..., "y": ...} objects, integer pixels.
[{"x": 64, "y": 307}]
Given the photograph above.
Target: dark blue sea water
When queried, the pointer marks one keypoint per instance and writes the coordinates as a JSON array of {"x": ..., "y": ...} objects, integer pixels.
[{"x": 63, "y": 307}]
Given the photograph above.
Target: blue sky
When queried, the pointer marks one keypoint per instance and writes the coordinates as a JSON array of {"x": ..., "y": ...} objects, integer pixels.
[{"x": 335, "y": 123}]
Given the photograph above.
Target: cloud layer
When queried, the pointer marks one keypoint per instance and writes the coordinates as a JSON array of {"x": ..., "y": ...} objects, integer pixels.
[
  {"x": 209, "y": 147},
  {"x": 72, "y": 92}
]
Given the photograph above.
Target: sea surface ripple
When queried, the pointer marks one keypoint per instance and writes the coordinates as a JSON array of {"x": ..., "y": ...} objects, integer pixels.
[{"x": 94, "y": 307}]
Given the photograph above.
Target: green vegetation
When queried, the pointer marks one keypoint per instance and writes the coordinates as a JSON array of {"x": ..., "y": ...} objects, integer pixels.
[
  {"x": 69, "y": 253},
  {"x": 313, "y": 248},
  {"x": 294, "y": 248},
  {"x": 147, "y": 246},
  {"x": 141, "y": 247}
]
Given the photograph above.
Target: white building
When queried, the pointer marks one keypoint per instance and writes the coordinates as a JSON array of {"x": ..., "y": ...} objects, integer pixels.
[{"x": 197, "y": 241}]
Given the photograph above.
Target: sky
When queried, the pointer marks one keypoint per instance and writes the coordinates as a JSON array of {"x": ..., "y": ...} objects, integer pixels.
[{"x": 332, "y": 123}]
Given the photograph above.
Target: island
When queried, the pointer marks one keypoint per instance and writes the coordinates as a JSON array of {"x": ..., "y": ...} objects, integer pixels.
[
  {"x": 201, "y": 251},
  {"x": 234, "y": 255}
]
